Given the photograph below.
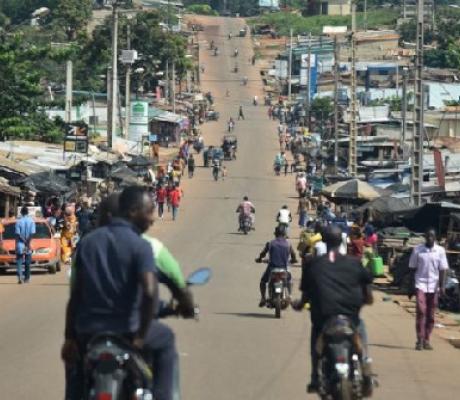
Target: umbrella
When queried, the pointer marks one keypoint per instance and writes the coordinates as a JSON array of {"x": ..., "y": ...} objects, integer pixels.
[
  {"x": 386, "y": 204},
  {"x": 353, "y": 189}
]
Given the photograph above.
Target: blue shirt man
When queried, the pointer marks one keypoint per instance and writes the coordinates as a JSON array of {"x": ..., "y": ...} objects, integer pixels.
[{"x": 24, "y": 230}]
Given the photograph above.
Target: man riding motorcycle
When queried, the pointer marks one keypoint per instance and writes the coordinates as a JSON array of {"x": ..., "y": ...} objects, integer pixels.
[
  {"x": 92, "y": 311},
  {"x": 279, "y": 250},
  {"x": 246, "y": 210},
  {"x": 335, "y": 284}
]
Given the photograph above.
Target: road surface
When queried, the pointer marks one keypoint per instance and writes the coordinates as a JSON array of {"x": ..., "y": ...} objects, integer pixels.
[{"x": 236, "y": 351}]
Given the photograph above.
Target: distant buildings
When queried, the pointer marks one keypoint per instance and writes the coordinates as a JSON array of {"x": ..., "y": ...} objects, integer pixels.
[{"x": 333, "y": 7}]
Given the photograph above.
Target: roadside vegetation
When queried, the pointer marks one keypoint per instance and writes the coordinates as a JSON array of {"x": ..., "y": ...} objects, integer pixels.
[
  {"x": 202, "y": 9},
  {"x": 282, "y": 22}
]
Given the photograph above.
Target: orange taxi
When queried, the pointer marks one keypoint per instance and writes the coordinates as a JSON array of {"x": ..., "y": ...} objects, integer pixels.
[{"x": 46, "y": 248}]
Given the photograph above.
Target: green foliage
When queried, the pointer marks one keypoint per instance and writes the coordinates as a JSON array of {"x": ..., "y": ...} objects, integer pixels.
[
  {"x": 21, "y": 93},
  {"x": 203, "y": 9},
  {"x": 283, "y": 21},
  {"x": 20, "y": 10},
  {"x": 322, "y": 106},
  {"x": 73, "y": 16}
]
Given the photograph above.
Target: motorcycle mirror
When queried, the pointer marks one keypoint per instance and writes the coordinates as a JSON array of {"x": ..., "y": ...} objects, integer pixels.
[{"x": 199, "y": 277}]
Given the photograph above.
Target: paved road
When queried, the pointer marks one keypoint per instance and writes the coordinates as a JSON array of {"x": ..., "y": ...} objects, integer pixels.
[{"x": 236, "y": 351}]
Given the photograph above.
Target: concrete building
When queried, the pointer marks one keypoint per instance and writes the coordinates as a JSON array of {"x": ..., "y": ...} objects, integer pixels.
[{"x": 335, "y": 7}]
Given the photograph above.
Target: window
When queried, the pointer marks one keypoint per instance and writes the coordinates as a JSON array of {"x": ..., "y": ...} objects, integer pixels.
[{"x": 42, "y": 231}]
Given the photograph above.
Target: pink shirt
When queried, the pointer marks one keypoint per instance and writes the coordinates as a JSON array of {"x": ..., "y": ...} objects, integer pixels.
[
  {"x": 428, "y": 263},
  {"x": 246, "y": 208}
]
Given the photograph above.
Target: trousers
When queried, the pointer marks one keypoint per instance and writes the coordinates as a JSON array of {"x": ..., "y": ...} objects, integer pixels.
[
  {"x": 160, "y": 348},
  {"x": 426, "y": 304}
]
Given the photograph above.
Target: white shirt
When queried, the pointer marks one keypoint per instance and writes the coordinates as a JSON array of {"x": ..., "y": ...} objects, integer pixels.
[
  {"x": 284, "y": 216},
  {"x": 320, "y": 248}
]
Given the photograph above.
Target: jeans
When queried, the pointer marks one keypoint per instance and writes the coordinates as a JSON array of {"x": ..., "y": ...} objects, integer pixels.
[
  {"x": 27, "y": 259},
  {"x": 161, "y": 207},
  {"x": 316, "y": 331},
  {"x": 302, "y": 219},
  {"x": 175, "y": 210},
  {"x": 190, "y": 172},
  {"x": 425, "y": 310},
  {"x": 160, "y": 347}
]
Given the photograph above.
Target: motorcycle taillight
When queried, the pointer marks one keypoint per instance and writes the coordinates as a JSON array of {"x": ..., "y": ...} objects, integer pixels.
[
  {"x": 278, "y": 276},
  {"x": 104, "y": 396},
  {"x": 105, "y": 357}
]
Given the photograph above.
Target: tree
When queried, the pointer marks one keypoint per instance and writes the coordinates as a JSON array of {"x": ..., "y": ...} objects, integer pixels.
[
  {"x": 21, "y": 93},
  {"x": 20, "y": 10},
  {"x": 73, "y": 16}
]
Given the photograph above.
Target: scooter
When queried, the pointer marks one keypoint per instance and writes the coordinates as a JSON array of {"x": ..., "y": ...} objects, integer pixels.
[
  {"x": 342, "y": 373},
  {"x": 115, "y": 370}
]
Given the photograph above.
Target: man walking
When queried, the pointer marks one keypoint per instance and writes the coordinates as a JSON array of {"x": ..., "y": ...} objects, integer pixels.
[
  {"x": 240, "y": 113},
  {"x": 24, "y": 230},
  {"x": 162, "y": 195},
  {"x": 430, "y": 264},
  {"x": 302, "y": 211},
  {"x": 174, "y": 199},
  {"x": 191, "y": 166}
]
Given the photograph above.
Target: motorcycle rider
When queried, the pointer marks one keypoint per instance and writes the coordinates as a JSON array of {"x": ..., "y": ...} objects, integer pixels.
[
  {"x": 279, "y": 250},
  {"x": 215, "y": 168},
  {"x": 284, "y": 217},
  {"x": 246, "y": 209},
  {"x": 235, "y": 52},
  {"x": 255, "y": 100},
  {"x": 117, "y": 255},
  {"x": 335, "y": 284}
]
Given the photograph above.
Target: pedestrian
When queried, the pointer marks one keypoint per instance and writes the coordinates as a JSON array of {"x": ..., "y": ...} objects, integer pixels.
[
  {"x": 286, "y": 167},
  {"x": 24, "y": 230},
  {"x": 224, "y": 172},
  {"x": 169, "y": 189},
  {"x": 270, "y": 112},
  {"x": 174, "y": 198},
  {"x": 162, "y": 195},
  {"x": 191, "y": 166},
  {"x": 430, "y": 264},
  {"x": 302, "y": 211},
  {"x": 240, "y": 113}
]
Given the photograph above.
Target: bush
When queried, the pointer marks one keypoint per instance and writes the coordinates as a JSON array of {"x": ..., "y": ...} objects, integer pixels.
[{"x": 203, "y": 9}]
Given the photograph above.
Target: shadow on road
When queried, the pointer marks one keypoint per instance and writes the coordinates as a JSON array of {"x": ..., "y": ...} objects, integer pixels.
[
  {"x": 390, "y": 346},
  {"x": 247, "y": 315}
]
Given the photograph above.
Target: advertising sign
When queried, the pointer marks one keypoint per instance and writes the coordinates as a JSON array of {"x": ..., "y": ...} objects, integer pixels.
[
  {"x": 269, "y": 3},
  {"x": 76, "y": 138},
  {"x": 139, "y": 112}
]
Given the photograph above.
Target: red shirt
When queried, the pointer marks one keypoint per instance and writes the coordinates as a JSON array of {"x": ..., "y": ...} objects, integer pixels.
[
  {"x": 174, "y": 197},
  {"x": 161, "y": 195}
]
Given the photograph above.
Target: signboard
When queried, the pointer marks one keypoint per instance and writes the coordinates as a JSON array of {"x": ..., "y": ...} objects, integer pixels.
[
  {"x": 269, "y": 3},
  {"x": 139, "y": 121},
  {"x": 153, "y": 138},
  {"x": 76, "y": 138},
  {"x": 128, "y": 56},
  {"x": 139, "y": 112},
  {"x": 304, "y": 60}
]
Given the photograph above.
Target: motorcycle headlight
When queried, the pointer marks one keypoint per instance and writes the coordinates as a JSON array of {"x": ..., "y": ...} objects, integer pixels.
[{"x": 42, "y": 250}]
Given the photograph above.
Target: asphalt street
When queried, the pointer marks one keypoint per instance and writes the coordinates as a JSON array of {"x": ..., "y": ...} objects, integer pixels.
[{"x": 236, "y": 350}]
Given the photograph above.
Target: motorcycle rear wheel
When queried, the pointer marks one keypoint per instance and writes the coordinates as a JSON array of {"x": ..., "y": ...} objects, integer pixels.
[
  {"x": 344, "y": 390},
  {"x": 277, "y": 306}
]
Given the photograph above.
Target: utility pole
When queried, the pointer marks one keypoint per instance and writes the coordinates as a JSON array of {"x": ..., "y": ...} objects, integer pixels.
[
  {"x": 290, "y": 67},
  {"x": 173, "y": 87},
  {"x": 404, "y": 106},
  {"x": 68, "y": 91},
  {"x": 404, "y": 9},
  {"x": 352, "y": 151},
  {"x": 365, "y": 15},
  {"x": 128, "y": 84},
  {"x": 114, "y": 75},
  {"x": 336, "y": 103},
  {"x": 109, "y": 103},
  {"x": 308, "y": 83},
  {"x": 417, "y": 151}
]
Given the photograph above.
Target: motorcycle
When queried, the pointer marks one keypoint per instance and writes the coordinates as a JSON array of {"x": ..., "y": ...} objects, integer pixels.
[
  {"x": 115, "y": 370},
  {"x": 278, "y": 293},
  {"x": 340, "y": 366},
  {"x": 235, "y": 70},
  {"x": 215, "y": 172},
  {"x": 246, "y": 224},
  {"x": 255, "y": 102}
]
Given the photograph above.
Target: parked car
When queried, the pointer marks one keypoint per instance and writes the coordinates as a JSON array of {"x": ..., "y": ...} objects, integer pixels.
[{"x": 46, "y": 247}]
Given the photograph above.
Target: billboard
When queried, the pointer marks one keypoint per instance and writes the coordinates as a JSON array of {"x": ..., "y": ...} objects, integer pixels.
[{"x": 269, "y": 3}]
